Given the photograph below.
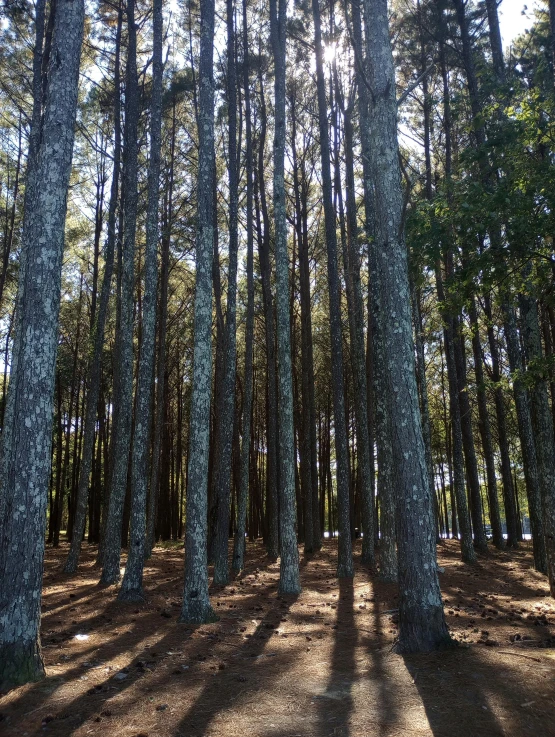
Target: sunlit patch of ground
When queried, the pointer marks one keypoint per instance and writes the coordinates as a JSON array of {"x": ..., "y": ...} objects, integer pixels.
[{"x": 318, "y": 665}]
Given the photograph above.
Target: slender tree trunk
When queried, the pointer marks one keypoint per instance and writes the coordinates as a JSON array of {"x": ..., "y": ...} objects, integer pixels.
[
  {"x": 94, "y": 368},
  {"x": 306, "y": 435},
  {"x": 485, "y": 432},
  {"x": 289, "y": 582},
  {"x": 421, "y": 620},
  {"x": 10, "y": 224},
  {"x": 386, "y": 491},
  {"x": 124, "y": 396},
  {"x": 364, "y": 129},
  {"x": 26, "y": 444},
  {"x": 161, "y": 357},
  {"x": 196, "y": 606},
  {"x": 423, "y": 391},
  {"x": 131, "y": 589},
  {"x": 543, "y": 427},
  {"x": 345, "y": 553},
  {"x": 226, "y": 420},
  {"x": 531, "y": 463},
  {"x": 358, "y": 357},
  {"x": 245, "y": 465},
  {"x": 463, "y": 518},
  {"x": 272, "y": 538},
  {"x": 471, "y": 465}
]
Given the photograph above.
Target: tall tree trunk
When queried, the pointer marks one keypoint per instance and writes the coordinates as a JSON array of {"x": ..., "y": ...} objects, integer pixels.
[
  {"x": 543, "y": 427},
  {"x": 94, "y": 368},
  {"x": 289, "y": 582},
  {"x": 263, "y": 228},
  {"x": 132, "y": 585},
  {"x": 528, "y": 447},
  {"x": 463, "y": 518},
  {"x": 345, "y": 553},
  {"x": 423, "y": 393},
  {"x": 421, "y": 620},
  {"x": 161, "y": 357},
  {"x": 305, "y": 432},
  {"x": 386, "y": 489},
  {"x": 471, "y": 465},
  {"x": 226, "y": 420},
  {"x": 124, "y": 396},
  {"x": 26, "y": 444},
  {"x": 196, "y": 606},
  {"x": 363, "y": 110},
  {"x": 245, "y": 465},
  {"x": 485, "y": 431},
  {"x": 358, "y": 357},
  {"x": 10, "y": 222}
]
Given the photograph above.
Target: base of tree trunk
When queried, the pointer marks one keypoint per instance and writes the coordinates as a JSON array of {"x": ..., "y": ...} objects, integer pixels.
[
  {"x": 345, "y": 570},
  {"x": 289, "y": 588},
  {"x": 20, "y": 663},
  {"x": 197, "y": 612},
  {"x": 423, "y": 631},
  {"x": 468, "y": 554},
  {"x": 110, "y": 575},
  {"x": 368, "y": 557},
  {"x": 70, "y": 566},
  {"x": 221, "y": 578},
  {"x": 132, "y": 595}
]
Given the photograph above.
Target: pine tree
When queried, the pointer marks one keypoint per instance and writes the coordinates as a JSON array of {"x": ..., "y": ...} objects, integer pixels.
[{"x": 26, "y": 440}]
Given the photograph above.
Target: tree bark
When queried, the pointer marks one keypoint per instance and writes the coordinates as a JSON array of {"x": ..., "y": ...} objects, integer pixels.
[
  {"x": 463, "y": 518},
  {"x": 485, "y": 431},
  {"x": 226, "y": 419},
  {"x": 358, "y": 357},
  {"x": 123, "y": 397},
  {"x": 196, "y": 606},
  {"x": 26, "y": 444},
  {"x": 421, "y": 620},
  {"x": 132, "y": 585},
  {"x": 543, "y": 427},
  {"x": 94, "y": 368},
  {"x": 245, "y": 466},
  {"x": 345, "y": 553},
  {"x": 289, "y": 582}
]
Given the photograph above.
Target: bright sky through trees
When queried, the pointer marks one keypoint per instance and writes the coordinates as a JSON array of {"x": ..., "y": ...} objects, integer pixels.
[{"x": 512, "y": 20}]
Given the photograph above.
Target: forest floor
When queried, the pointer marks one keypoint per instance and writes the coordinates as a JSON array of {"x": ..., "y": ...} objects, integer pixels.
[{"x": 318, "y": 665}]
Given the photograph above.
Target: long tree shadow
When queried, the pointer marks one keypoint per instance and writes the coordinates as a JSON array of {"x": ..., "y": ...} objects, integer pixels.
[
  {"x": 386, "y": 701},
  {"x": 336, "y": 703},
  {"x": 262, "y": 669},
  {"x": 140, "y": 627},
  {"x": 145, "y": 673},
  {"x": 465, "y": 694}
]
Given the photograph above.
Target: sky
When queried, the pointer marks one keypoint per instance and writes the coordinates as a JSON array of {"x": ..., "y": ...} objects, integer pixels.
[{"x": 511, "y": 20}]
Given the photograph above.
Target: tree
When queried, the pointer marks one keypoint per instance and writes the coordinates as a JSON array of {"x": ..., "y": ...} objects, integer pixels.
[
  {"x": 27, "y": 432},
  {"x": 98, "y": 332},
  {"x": 131, "y": 589},
  {"x": 421, "y": 620},
  {"x": 196, "y": 606},
  {"x": 289, "y": 582},
  {"x": 124, "y": 386},
  {"x": 345, "y": 556}
]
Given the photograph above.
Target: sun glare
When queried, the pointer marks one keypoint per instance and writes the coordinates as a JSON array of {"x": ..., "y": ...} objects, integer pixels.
[{"x": 329, "y": 52}]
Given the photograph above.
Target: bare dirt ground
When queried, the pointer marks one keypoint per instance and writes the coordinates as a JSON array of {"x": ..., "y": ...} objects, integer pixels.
[{"x": 318, "y": 665}]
